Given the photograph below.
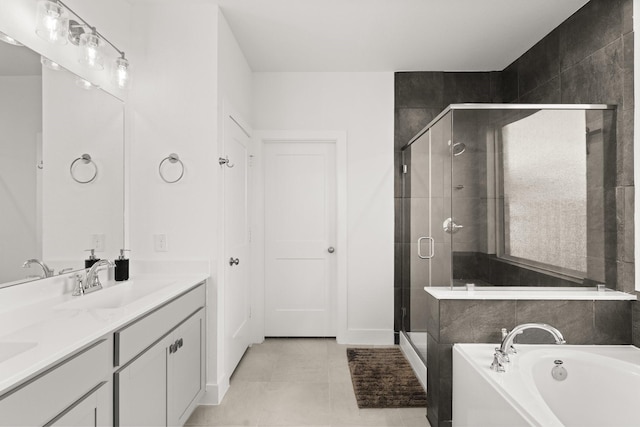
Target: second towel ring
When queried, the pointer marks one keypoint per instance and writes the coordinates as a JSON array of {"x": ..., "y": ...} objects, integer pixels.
[
  {"x": 172, "y": 158},
  {"x": 86, "y": 159}
]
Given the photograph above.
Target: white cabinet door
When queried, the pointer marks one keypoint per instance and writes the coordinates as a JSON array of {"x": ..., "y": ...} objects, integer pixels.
[
  {"x": 141, "y": 389},
  {"x": 91, "y": 410},
  {"x": 185, "y": 369}
]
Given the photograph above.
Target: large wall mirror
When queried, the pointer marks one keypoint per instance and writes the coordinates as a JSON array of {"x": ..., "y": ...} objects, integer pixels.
[{"x": 61, "y": 168}]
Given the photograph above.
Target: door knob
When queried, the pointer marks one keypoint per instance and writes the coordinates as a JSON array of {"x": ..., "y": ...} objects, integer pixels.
[
  {"x": 331, "y": 249},
  {"x": 234, "y": 261}
]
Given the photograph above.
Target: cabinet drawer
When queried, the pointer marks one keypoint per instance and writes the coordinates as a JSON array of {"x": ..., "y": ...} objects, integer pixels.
[
  {"x": 41, "y": 399},
  {"x": 139, "y": 335}
]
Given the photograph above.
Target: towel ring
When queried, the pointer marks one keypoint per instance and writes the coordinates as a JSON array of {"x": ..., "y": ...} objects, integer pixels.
[
  {"x": 86, "y": 159},
  {"x": 172, "y": 158}
]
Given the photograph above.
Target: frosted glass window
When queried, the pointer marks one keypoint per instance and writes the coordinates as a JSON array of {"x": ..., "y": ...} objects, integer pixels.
[{"x": 544, "y": 177}]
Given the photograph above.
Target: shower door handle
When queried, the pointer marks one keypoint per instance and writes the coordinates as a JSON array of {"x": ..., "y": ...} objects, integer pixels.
[{"x": 431, "y": 247}]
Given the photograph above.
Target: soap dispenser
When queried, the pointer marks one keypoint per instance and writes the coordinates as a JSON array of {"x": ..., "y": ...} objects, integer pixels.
[
  {"x": 92, "y": 258},
  {"x": 122, "y": 267}
]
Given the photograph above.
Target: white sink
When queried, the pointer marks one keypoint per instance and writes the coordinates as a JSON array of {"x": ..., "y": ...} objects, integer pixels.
[{"x": 115, "y": 296}]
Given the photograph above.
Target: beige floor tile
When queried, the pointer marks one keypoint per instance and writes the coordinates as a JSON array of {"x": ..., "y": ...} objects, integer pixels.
[
  {"x": 414, "y": 417},
  {"x": 242, "y": 405},
  {"x": 298, "y": 382},
  {"x": 345, "y": 411},
  {"x": 256, "y": 366},
  {"x": 296, "y": 404},
  {"x": 300, "y": 368}
]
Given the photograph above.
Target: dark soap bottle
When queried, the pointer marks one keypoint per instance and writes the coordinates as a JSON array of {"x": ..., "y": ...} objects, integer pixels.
[
  {"x": 122, "y": 267},
  {"x": 92, "y": 258}
]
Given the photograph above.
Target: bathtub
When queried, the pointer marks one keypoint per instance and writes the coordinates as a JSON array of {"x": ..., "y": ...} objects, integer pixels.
[{"x": 602, "y": 386}]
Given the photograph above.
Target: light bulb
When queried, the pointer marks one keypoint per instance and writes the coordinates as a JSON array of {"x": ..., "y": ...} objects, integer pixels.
[
  {"x": 10, "y": 40},
  {"x": 52, "y": 65},
  {"x": 121, "y": 73},
  {"x": 85, "y": 84},
  {"x": 91, "y": 56},
  {"x": 52, "y": 23}
]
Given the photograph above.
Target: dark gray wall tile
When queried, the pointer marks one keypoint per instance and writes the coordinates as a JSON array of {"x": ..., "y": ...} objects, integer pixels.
[
  {"x": 635, "y": 314},
  {"x": 594, "y": 26},
  {"x": 474, "y": 320},
  {"x": 433, "y": 381},
  {"x": 626, "y": 276},
  {"x": 419, "y": 90},
  {"x": 596, "y": 79},
  {"x": 466, "y": 87},
  {"x": 627, "y": 16},
  {"x": 625, "y": 148},
  {"x": 540, "y": 64},
  {"x": 495, "y": 84},
  {"x": 629, "y": 227},
  {"x": 628, "y": 50},
  {"x": 612, "y": 320},
  {"x": 409, "y": 121},
  {"x": 509, "y": 88},
  {"x": 547, "y": 93},
  {"x": 433, "y": 316},
  {"x": 573, "y": 318}
]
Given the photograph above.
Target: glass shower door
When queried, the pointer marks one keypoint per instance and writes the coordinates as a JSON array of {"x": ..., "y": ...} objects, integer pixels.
[{"x": 426, "y": 206}]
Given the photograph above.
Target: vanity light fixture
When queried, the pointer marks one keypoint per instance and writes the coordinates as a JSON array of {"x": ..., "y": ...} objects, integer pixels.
[
  {"x": 91, "y": 56},
  {"x": 121, "y": 73},
  {"x": 53, "y": 24},
  {"x": 9, "y": 40},
  {"x": 52, "y": 21}
]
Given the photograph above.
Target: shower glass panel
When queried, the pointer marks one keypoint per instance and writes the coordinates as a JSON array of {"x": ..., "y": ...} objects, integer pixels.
[
  {"x": 508, "y": 195},
  {"x": 427, "y": 201}
]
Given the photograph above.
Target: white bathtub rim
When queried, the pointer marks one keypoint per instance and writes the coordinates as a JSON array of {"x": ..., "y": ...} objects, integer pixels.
[
  {"x": 536, "y": 411},
  {"x": 543, "y": 417}
]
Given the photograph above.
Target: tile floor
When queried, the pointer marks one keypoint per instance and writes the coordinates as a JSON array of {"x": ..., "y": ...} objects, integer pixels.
[{"x": 297, "y": 382}]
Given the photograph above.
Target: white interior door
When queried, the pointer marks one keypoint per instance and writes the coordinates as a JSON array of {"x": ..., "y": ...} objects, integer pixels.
[
  {"x": 300, "y": 239},
  {"x": 237, "y": 309}
]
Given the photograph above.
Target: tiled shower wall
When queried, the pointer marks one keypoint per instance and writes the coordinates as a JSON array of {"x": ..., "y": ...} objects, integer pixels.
[{"x": 587, "y": 59}]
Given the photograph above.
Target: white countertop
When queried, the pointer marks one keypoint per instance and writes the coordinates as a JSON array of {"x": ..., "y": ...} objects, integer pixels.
[
  {"x": 528, "y": 293},
  {"x": 39, "y": 327}
]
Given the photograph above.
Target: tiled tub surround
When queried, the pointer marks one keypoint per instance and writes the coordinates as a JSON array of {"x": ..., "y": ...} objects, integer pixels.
[
  {"x": 583, "y": 316},
  {"x": 56, "y": 324}
]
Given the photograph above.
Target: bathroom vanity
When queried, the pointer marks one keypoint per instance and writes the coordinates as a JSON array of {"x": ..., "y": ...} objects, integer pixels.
[{"x": 130, "y": 354}]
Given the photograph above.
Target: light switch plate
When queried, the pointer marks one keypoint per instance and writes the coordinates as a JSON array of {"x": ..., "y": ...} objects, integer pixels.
[
  {"x": 160, "y": 243},
  {"x": 98, "y": 242}
]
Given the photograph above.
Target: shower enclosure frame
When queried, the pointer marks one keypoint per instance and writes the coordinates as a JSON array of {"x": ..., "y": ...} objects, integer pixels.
[{"x": 422, "y": 251}]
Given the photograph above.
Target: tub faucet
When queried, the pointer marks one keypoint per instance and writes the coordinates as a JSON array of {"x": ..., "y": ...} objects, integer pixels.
[
  {"x": 48, "y": 272},
  {"x": 501, "y": 356}
]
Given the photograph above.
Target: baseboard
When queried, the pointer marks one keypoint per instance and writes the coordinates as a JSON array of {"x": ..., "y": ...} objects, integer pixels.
[
  {"x": 214, "y": 393},
  {"x": 415, "y": 361},
  {"x": 366, "y": 337}
]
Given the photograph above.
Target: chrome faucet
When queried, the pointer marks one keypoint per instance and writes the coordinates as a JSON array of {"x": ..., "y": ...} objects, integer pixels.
[
  {"x": 92, "y": 281},
  {"x": 501, "y": 356},
  {"x": 48, "y": 272}
]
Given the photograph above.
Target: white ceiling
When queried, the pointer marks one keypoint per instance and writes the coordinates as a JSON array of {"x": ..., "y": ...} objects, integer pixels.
[{"x": 390, "y": 35}]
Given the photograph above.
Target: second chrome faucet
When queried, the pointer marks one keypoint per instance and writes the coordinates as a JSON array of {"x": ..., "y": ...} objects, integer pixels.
[
  {"x": 91, "y": 282},
  {"x": 501, "y": 356}
]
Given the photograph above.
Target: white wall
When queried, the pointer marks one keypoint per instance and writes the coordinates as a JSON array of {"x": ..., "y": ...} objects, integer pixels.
[
  {"x": 177, "y": 101},
  {"x": 362, "y": 105},
  {"x": 21, "y": 124}
]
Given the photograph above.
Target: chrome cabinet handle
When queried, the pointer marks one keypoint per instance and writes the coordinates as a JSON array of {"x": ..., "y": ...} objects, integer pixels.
[
  {"x": 331, "y": 249},
  {"x": 234, "y": 261},
  {"x": 431, "y": 247}
]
